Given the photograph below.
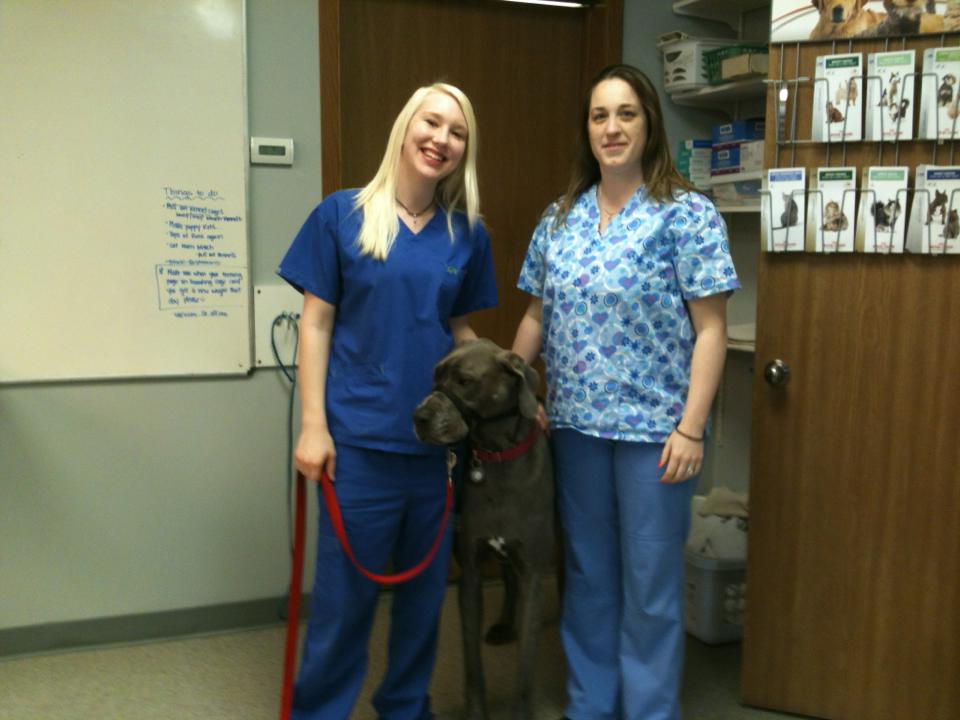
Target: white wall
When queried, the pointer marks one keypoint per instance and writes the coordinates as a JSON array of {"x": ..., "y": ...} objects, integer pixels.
[{"x": 130, "y": 497}]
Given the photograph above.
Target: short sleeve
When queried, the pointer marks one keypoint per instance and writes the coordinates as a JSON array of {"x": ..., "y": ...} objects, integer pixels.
[
  {"x": 312, "y": 262},
  {"x": 533, "y": 272},
  {"x": 479, "y": 288},
  {"x": 702, "y": 249}
]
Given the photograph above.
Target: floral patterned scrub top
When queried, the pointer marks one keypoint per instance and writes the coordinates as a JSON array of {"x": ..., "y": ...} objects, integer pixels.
[{"x": 617, "y": 339}]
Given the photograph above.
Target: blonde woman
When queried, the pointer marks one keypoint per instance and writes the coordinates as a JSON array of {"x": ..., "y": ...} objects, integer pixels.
[{"x": 389, "y": 274}]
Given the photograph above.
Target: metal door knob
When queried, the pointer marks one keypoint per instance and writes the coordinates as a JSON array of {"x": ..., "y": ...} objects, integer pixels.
[{"x": 777, "y": 372}]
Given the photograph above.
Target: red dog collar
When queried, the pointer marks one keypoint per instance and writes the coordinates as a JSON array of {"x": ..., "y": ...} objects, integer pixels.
[{"x": 511, "y": 453}]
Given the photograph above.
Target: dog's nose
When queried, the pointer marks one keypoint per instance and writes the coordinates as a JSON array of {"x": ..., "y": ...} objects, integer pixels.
[
  {"x": 421, "y": 414},
  {"x": 837, "y": 15}
]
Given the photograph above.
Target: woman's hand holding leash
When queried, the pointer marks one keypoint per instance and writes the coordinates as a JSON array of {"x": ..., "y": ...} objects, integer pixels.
[{"x": 315, "y": 453}]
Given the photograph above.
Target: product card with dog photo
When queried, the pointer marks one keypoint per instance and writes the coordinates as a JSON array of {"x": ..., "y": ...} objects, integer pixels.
[
  {"x": 890, "y": 81},
  {"x": 832, "y": 202},
  {"x": 938, "y": 97},
  {"x": 783, "y": 207},
  {"x": 799, "y": 20},
  {"x": 883, "y": 204},
  {"x": 934, "y": 222},
  {"x": 837, "y": 98}
]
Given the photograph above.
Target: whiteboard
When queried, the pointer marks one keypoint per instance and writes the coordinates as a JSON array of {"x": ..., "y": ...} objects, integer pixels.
[{"x": 123, "y": 189}]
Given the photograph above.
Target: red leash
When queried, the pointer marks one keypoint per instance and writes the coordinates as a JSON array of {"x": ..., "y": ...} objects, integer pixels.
[
  {"x": 293, "y": 599},
  {"x": 296, "y": 573}
]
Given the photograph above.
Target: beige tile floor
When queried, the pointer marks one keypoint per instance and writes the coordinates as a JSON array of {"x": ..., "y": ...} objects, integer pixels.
[{"x": 236, "y": 676}]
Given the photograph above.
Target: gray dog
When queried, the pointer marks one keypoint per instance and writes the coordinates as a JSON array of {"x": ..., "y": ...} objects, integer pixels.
[{"x": 487, "y": 395}]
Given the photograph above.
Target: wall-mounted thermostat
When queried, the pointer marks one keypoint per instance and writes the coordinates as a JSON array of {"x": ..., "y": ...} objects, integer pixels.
[{"x": 271, "y": 151}]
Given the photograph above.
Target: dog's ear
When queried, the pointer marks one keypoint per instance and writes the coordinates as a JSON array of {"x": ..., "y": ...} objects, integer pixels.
[
  {"x": 818, "y": 4},
  {"x": 529, "y": 381}
]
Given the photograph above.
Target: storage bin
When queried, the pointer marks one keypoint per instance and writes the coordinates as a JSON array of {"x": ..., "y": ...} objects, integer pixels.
[
  {"x": 684, "y": 61},
  {"x": 714, "y": 59},
  {"x": 714, "y": 598}
]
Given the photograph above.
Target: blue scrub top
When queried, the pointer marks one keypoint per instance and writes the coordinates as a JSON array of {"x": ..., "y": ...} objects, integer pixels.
[{"x": 393, "y": 317}]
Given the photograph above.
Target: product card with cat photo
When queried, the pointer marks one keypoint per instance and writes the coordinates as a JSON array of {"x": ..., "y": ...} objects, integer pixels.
[
  {"x": 883, "y": 204},
  {"x": 832, "y": 201},
  {"x": 934, "y": 223},
  {"x": 838, "y": 98},
  {"x": 890, "y": 98},
  {"x": 782, "y": 206},
  {"x": 938, "y": 101}
]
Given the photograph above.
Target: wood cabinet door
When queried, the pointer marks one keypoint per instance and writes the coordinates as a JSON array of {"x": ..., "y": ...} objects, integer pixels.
[{"x": 854, "y": 560}]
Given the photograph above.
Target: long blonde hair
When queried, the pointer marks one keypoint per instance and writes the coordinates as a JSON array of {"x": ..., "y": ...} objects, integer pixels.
[{"x": 458, "y": 191}]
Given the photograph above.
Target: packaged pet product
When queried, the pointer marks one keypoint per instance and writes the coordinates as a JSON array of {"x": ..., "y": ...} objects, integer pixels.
[
  {"x": 838, "y": 98},
  {"x": 883, "y": 204},
  {"x": 832, "y": 203},
  {"x": 890, "y": 82},
  {"x": 782, "y": 209},
  {"x": 934, "y": 222},
  {"x": 938, "y": 95}
]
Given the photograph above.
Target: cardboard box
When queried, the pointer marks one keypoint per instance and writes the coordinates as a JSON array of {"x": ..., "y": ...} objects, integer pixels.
[
  {"x": 745, "y": 65},
  {"x": 737, "y": 131},
  {"x": 740, "y": 158}
]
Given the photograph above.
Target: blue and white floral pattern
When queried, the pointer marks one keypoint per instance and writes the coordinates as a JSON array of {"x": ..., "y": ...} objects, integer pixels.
[{"x": 617, "y": 338}]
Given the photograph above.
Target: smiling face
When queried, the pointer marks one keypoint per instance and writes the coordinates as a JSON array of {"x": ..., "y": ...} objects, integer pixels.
[
  {"x": 617, "y": 126},
  {"x": 436, "y": 139}
]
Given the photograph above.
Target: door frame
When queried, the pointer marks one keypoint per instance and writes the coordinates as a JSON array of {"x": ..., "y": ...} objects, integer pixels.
[{"x": 602, "y": 45}]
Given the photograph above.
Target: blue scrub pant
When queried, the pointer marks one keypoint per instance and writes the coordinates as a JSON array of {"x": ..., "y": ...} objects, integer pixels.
[
  {"x": 392, "y": 505},
  {"x": 624, "y": 533}
]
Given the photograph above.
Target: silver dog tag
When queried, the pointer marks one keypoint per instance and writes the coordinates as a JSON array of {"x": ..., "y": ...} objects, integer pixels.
[{"x": 476, "y": 471}]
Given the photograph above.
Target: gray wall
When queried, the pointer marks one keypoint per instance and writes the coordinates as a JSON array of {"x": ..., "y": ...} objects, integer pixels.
[{"x": 122, "y": 498}]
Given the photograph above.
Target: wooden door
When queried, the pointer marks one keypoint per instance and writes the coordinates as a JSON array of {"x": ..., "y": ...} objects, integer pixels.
[
  {"x": 854, "y": 562},
  {"x": 524, "y": 68}
]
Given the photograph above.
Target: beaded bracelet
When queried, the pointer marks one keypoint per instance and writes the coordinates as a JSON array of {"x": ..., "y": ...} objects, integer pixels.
[{"x": 681, "y": 433}]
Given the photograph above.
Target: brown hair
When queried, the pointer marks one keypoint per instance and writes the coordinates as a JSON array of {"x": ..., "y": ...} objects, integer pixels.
[{"x": 660, "y": 176}]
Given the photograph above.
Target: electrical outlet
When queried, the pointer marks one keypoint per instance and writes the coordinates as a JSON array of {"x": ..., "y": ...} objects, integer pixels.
[{"x": 271, "y": 302}]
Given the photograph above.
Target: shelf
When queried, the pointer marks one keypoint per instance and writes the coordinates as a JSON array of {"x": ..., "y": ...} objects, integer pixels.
[
  {"x": 737, "y": 177},
  {"x": 742, "y": 338},
  {"x": 726, "y": 209},
  {"x": 720, "y": 96},
  {"x": 726, "y": 11}
]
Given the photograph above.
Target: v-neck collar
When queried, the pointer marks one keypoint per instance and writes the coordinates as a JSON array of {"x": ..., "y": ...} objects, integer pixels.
[{"x": 438, "y": 211}]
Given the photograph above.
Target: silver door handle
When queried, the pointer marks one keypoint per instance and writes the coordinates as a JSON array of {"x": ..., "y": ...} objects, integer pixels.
[{"x": 776, "y": 373}]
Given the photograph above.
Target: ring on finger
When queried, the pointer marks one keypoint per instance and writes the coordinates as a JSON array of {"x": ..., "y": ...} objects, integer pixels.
[{"x": 690, "y": 469}]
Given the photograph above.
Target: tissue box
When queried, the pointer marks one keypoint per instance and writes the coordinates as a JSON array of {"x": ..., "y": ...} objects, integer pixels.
[
  {"x": 714, "y": 598},
  {"x": 742, "y": 66}
]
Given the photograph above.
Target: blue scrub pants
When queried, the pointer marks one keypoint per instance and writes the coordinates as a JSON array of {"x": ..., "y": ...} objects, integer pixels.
[
  {"x": 392, "y": 505},
  {"x": 624, "y": 533}
]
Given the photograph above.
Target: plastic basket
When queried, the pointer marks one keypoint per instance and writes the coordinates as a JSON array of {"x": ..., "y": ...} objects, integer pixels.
[
  {"x": 714, "y": 602},
  {"x": 714, "y": 58}
]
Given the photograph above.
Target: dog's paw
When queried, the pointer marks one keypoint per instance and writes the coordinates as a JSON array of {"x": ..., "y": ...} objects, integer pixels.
[{"x": 500, "y": 634}]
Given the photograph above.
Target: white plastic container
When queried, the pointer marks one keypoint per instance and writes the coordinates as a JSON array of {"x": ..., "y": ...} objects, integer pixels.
[
  {"x": 684, "y": 64},
  {"x": 715, "y": 598}
]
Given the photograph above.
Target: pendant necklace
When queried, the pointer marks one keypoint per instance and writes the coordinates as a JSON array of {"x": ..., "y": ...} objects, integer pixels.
[{"x": 411, "y": 213}]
